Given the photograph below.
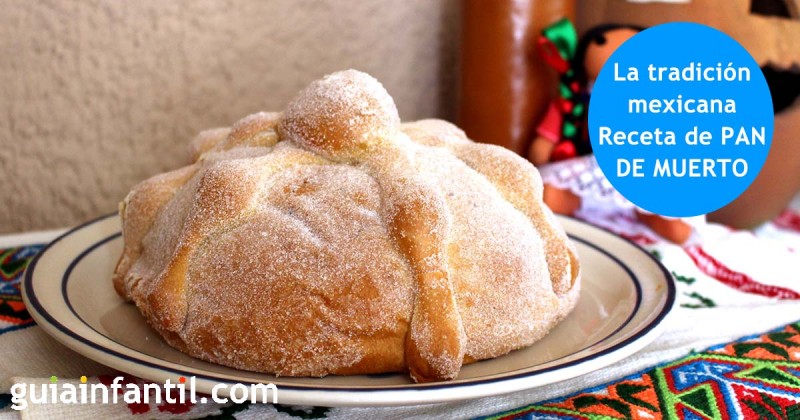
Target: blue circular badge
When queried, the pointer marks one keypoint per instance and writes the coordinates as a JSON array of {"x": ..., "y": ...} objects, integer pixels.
[{"x": 680, "y": 119}]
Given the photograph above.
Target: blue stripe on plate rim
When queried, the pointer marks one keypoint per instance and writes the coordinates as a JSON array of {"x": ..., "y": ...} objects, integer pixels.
[{"x": 29, "y": 292}]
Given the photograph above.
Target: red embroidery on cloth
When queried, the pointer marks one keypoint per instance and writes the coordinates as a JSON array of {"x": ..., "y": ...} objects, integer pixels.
[
  {"x": 789, "y": 219},
  {"x": 135, "y": 408},
  {"x": 640, "y": 239},
  {"x": 141, "y": 408},
  {"x": 712, "y": 267}
]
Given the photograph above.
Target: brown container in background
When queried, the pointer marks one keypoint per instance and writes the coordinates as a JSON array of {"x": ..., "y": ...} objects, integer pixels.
[{"x": 505, "y": 85}]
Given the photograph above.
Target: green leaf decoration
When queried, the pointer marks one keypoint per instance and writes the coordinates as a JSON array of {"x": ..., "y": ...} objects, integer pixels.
[
  {"x": 566, "y": 92},
  {"x": 656, "y": 254},
  {"x": 683, "y": 279},
  {"x": 704, "y": 301},
  {"x": 569, "y": 129}
]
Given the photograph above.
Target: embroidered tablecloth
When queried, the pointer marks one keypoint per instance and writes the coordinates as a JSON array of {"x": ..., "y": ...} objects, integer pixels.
[{"x": 731, "y": 347}]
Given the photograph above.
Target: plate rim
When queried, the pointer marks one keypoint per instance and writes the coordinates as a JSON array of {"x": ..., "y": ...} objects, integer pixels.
[{"x": 614, "y": 353}]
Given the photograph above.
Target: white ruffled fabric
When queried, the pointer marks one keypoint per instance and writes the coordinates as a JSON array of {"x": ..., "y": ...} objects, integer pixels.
[{"x": 583, "y": 177}]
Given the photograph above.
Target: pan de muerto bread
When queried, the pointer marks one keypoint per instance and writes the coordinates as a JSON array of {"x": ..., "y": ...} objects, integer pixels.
[{"x": 332, "y": 239}]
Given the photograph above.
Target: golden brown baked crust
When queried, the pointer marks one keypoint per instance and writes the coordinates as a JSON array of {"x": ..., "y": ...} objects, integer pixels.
[{"x": 331, "y": 239}]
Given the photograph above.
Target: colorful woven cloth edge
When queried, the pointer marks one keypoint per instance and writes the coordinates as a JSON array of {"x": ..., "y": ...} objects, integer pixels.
[
  {"x": 755, "y": 377},
  {"x": 13, "y": 261}
]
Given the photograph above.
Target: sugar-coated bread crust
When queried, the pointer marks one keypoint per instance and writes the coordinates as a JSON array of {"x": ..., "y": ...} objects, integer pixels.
[{"x": 332, "y": 239}]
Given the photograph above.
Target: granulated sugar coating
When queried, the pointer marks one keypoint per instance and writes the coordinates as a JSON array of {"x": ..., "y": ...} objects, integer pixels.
[{"x": 331, "y": 239}]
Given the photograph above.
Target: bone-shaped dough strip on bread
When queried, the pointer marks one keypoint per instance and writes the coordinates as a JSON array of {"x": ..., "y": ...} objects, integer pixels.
[
  {"x": 516, "y": 180},
  {"x": 143, "y": 203},
  {"x": 227, "y": 192},
  {"x": 419, "y": 222},
  {"x": 349, "y": 117}
]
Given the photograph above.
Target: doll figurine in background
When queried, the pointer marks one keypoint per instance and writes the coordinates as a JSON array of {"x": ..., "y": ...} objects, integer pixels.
[{"x": 561, "y": 149}]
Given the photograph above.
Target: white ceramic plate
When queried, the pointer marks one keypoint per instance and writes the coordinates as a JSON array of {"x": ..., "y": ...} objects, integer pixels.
[{"x": 626, "y": 294}]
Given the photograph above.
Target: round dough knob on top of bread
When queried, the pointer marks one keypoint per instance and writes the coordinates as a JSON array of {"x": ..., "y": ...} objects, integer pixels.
[{"x": 341, "y": 116}]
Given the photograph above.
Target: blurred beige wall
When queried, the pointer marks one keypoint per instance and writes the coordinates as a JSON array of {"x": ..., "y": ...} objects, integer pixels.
[{"x": 98, "y": 95}]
